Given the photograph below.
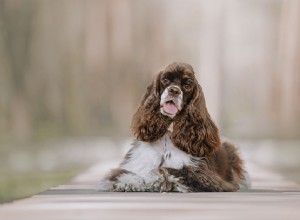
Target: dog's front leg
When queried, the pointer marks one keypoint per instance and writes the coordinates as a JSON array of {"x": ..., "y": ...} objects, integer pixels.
[
  {"x": 202, "y": 180},
  {"x": 121, "y": 180},
  {"x": 170, "y": 182}
]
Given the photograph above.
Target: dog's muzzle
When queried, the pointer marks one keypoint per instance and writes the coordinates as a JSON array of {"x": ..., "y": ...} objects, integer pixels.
[{"x": 171, "y": 101}]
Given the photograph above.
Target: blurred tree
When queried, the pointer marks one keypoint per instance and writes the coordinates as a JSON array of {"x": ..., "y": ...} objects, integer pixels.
[
  {"x": 286, "y": 82},
  {"x": 80, "y": 67},
  {"x": 17, "y": 30}
]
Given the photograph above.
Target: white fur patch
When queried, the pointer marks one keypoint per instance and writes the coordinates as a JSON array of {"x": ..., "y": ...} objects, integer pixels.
[
  {"x": 105, "y": 185},
  {"x": 143, "y": 165},
  {"x": 146, "y": 158},
  {"x": 178, "y": 101},
  {"x": 173, "y": 157}
]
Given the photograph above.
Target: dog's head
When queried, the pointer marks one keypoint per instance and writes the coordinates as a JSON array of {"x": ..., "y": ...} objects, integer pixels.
[
  {"x": 176, "y": 85},
  {"x": 175, "y": 96}
]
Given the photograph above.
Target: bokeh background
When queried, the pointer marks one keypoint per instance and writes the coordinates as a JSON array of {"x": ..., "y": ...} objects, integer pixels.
[{"x": 73, "y": 71}]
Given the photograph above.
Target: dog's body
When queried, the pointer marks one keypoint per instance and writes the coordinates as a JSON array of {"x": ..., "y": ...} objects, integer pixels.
[{"x": 178, "y": 148}]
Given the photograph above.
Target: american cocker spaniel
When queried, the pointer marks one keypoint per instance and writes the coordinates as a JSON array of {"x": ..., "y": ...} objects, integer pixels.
[{"x": 177, "y": 146}]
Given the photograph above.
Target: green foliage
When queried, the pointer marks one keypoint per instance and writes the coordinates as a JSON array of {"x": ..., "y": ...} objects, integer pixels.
[{"x": 21, "y": 185}]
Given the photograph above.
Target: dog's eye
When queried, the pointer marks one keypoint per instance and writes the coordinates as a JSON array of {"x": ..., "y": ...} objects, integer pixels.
[
  {"x": 165, "y": 81},
  {"x": 187, "y": 86}
]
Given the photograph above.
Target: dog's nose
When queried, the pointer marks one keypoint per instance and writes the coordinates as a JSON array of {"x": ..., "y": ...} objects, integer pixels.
[{"x": 174, "y": 90}]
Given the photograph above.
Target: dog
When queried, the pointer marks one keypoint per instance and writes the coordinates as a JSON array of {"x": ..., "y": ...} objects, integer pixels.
[{"x": 177, "y": 146}]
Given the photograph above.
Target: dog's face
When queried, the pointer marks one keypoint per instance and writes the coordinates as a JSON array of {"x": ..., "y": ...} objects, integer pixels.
[{"x": 176, "y": 89}]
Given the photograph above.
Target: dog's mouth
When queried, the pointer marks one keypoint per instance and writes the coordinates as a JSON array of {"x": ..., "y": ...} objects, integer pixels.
[{"x": 170, "y": 108}]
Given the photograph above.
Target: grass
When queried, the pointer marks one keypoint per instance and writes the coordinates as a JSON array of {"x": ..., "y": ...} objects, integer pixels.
[
  {"x": 21, "y": 185},
  {"x": 22, "y": 173}
]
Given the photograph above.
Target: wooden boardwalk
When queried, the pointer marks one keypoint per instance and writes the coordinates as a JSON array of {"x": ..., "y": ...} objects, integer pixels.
[{"x": 271, "y": 197}]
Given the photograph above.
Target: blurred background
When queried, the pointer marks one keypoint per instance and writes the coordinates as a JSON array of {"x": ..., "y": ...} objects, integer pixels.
[{"x": 73, "y": 71}]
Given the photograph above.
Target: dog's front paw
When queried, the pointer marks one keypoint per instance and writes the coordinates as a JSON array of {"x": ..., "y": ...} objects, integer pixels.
[
  {"x": 171, "y": 183},
  {"x": 125, "y": 187},
  {"x": 128, "y": 182}
]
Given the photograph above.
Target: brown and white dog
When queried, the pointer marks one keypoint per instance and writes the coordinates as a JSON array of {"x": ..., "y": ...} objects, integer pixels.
[{"x": 177, "y": 147}]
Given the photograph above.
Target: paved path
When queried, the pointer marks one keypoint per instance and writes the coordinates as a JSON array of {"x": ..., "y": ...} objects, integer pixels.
[{"x": 271, "y": 197}]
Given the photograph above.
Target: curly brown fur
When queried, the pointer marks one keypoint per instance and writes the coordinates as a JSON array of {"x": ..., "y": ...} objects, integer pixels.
[
  {"x": 148, "y": 124},
  {"x": 194, "y": 131},
  {"x": 234, "y": 160}
]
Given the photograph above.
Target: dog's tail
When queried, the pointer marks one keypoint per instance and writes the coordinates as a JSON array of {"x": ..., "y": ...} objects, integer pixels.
[{"x": 237, "y": 165}]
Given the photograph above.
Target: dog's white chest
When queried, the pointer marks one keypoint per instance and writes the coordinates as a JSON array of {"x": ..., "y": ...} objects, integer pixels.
[
  {"x": 171, "y": 156},
  {"x": 145, "y": 157}
]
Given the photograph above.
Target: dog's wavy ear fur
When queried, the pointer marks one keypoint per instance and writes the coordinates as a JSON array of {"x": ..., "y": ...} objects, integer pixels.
[
  {"x": 148, "y": 124},
  {"x": 194, "y": 131}
]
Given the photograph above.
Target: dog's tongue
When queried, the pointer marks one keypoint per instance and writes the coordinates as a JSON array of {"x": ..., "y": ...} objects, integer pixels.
[{"x": 170, "y": 108}]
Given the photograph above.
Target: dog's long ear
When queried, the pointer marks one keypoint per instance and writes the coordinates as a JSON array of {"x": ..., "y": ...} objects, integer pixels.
[
  {"x": 148, "y": 124},
  {"x": 194, "y": 131},
  {"x": 153, "y": 89}
]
